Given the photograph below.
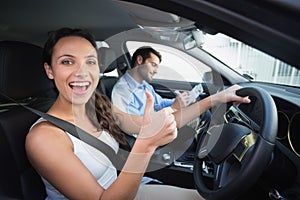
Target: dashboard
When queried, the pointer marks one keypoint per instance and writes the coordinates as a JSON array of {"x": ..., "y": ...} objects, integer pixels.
[{"x": 287, "y": 101}]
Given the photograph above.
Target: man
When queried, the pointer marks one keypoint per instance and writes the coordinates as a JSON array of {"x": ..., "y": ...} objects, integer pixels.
[{"x": 129, "y": 92}]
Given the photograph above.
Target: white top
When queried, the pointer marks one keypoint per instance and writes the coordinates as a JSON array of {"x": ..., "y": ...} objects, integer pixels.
[{"x": 96, "y": 162}]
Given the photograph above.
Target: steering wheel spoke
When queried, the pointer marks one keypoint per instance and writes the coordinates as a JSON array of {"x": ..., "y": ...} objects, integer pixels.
[{"x": 226, "y": 171}]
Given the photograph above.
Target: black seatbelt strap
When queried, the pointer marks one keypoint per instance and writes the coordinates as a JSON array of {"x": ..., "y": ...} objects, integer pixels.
[{"x": 76, "y": 132}]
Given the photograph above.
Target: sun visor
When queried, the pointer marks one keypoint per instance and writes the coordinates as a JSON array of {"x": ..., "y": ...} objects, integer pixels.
[
  {"x": 164, "y": 26},
  {"x": 151, "y": 17}
]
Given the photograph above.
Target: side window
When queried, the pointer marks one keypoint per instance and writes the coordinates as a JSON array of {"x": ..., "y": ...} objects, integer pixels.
[{"x": 175, "y": 65}]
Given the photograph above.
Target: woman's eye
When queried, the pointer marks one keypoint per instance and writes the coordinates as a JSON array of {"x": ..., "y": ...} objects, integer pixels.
[{"x": 66, "y": 62}]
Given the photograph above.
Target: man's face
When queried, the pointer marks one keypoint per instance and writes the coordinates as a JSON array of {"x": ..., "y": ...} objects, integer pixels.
[{"x": 149, "y": 67}]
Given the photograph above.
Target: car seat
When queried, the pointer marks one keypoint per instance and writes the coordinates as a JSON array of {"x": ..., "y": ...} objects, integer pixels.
[
  {"x": 22, "y": 78},
  {"x": 107, "y": 63}
]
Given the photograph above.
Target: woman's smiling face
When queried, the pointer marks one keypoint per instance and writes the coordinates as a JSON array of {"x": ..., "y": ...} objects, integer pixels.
[{"x": 74, "y": 69}]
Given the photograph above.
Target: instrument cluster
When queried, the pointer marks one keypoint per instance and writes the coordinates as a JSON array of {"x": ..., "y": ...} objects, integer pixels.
[{"x": 289, "y": 130}]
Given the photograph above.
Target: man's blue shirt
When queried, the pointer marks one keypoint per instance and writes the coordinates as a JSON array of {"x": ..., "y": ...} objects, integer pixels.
[{"x": 129, "y": 96}]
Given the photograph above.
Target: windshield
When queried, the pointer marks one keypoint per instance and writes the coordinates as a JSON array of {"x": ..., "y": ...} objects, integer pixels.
[{"x": 249, "y": 61}]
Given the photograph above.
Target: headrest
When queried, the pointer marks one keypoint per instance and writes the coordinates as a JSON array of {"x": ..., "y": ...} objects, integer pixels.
[
  {"x": 22, "y": 74},
  {"x": 107, "y": 59}
]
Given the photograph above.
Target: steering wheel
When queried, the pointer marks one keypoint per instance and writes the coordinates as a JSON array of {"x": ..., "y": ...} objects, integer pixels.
[{"x": 231, "y": 156}]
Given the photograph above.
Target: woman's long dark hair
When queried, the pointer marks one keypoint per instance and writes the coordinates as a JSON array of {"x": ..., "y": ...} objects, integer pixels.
[
  {"x": 100, "y": 113},
  {"x": 98, "y": 108}
]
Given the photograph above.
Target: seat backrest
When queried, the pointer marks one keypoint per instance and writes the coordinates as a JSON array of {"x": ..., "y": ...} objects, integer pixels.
[
  {"x": 23, "y": 78},
  {"x": 21, "y": 70},
  {"x": 107, "y": 63}
]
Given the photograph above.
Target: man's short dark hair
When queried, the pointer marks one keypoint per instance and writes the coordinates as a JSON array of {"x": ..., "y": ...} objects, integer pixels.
[{"x": 144, "y": 51}]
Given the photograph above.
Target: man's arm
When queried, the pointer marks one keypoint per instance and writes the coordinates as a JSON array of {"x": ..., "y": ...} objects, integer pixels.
[
  {"x": 181, "y": 101},
  {"x": 186, "y": 114},
  {"x": 191, "y": 112}
]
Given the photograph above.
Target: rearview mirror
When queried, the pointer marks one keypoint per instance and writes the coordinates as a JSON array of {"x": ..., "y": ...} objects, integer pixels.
[{"x": 194, "y": 39}]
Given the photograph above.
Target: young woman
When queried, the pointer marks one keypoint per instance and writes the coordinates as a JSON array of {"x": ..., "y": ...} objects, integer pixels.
[{"x": 70, "y": 168}]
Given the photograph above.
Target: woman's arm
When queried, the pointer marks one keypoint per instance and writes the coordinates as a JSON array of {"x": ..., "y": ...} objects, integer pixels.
[{"x": 51, "y": 153}]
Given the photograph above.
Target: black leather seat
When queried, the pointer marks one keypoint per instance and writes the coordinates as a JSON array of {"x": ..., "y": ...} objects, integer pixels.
[
  {"x": 22, "y": 78},
  {"x": 107, "y": 63}
]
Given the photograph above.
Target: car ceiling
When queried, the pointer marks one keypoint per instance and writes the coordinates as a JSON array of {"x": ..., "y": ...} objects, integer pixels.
[
  {"x": 32, "y": 23},
  {"x": 271, "y": 26}
]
